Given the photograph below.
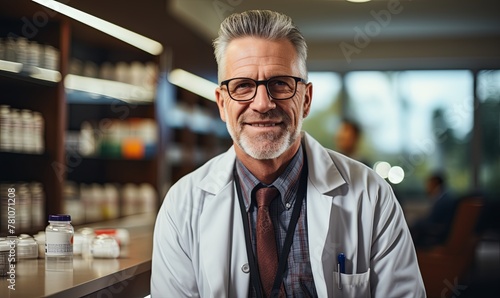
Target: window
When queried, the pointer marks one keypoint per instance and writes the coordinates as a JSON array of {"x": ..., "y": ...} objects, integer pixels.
[
  {"x": 488, "y": 92},
  {"x": 420, "y": 121},
  {"x": 325, "y": 111}
]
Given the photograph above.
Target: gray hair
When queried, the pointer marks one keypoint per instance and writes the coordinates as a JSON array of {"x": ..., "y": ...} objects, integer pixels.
[{"x": 264, "y": 24}]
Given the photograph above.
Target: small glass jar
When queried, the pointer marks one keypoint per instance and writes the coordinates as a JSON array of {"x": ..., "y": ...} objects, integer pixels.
[
  {"x": 27, "y": 248},
  {"x": 40, "y": 240},
  {"x": 4, "y": 256},
  {"x": 105, "y": 246},
  {"x": 59, "y": 242},
  {"x": 82, "y": 241}
]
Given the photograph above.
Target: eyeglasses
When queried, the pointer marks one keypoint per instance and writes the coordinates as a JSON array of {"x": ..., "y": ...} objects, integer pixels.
[{"x": 278, "y": 88}]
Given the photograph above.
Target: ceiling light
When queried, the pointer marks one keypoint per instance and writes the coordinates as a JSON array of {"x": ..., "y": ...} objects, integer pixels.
[
  {"x": 358, "y": 1},
  {"x": 193, "y": 83},
  {"x": 146, "y": 44}
]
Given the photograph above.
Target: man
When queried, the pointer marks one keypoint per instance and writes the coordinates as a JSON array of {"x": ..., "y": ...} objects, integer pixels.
[
  {"x": 347, "y": 236},
  {"x": 347, "y": 140},
  {"x": 433, "y": 229}
]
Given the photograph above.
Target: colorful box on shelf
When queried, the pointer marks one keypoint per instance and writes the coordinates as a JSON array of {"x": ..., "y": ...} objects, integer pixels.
[{"x": 134, "y": 138}]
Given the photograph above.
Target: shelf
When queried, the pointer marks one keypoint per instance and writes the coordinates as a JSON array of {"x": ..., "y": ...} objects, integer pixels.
[
  {"x": 20, "y": 166},
  {"x": 23, "y": 155},
  {"x": 117, "y": 159},
  {"x": 90, "y": 170},
  {"x": 92, "y": 90},
  {"x": 82, "y": 97},
  {"x": 18, "y": 72},
  {"x": 79, "y": 112}
]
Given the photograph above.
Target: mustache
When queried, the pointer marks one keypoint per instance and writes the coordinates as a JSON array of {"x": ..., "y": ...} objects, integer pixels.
[{"x": 269, "y": 115}]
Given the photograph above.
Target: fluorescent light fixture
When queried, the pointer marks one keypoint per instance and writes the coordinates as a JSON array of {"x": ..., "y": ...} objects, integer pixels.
[
  {"x": 358, "y": 1},
  {"x": 114, "y": 89},
  {"x": 10, "y": 66},
  {"x": 193, "y": 83},
  {"x": 146, "y": 44}
]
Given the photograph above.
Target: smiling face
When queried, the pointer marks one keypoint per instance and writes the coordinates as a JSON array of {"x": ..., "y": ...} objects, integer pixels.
[{"x": 263, "y": 128}]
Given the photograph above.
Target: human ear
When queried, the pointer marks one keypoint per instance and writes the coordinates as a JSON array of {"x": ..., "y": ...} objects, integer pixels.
[
  {"x": 307, "y": 99},
  {"x": 220, "y": 103}
]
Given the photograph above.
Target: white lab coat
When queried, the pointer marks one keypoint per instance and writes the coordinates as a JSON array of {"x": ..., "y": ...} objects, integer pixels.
[{"x": 199, "y": 243}]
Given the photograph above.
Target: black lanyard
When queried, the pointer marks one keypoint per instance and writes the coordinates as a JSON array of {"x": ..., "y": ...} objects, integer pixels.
[{"x": 283, "y": 258}]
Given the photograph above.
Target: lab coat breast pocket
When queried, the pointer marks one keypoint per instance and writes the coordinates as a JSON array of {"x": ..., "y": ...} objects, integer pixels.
[{"x": 352, "y": 285}]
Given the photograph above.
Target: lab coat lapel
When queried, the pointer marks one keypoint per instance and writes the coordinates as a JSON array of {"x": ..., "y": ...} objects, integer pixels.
[
  {"x": 216, "y": 232},
  {"x": 323, "y": 178},
  {"x": 222, "y": 242}
]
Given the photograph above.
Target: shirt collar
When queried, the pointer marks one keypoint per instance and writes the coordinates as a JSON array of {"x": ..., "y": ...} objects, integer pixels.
[{"x": 285, "y": 183}]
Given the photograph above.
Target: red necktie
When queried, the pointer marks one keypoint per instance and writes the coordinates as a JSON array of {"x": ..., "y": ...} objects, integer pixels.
[{"x": 267, "y": 255}]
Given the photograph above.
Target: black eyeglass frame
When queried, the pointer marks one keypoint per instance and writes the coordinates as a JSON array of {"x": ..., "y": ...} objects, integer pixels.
[{"x": 262, "y": 82}]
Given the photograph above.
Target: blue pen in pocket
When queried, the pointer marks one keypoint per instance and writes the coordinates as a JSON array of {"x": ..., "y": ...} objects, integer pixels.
[
  {"x": 341, "y": 262},
  {"x": 340, "y": 268}
]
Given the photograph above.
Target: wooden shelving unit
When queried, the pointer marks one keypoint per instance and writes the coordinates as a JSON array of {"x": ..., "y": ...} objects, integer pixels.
[
  {"x": 178, "y": 149},
  {"x": 20, "y": 90},
  {"x": 56, "y": 166},
  {"x": 201, "y": 135}
]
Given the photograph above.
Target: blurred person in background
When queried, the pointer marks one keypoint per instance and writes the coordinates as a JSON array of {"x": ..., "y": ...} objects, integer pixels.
[
  {"x": 347, "y": 140},
  {"x": 434, "y": 227}
]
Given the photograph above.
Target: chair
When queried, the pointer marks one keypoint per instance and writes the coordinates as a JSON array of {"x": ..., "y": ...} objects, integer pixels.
[{"x": 444, "y": 267}]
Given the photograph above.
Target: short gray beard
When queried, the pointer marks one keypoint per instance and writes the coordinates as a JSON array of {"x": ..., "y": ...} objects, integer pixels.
[{"x": 258, "y": 148}]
